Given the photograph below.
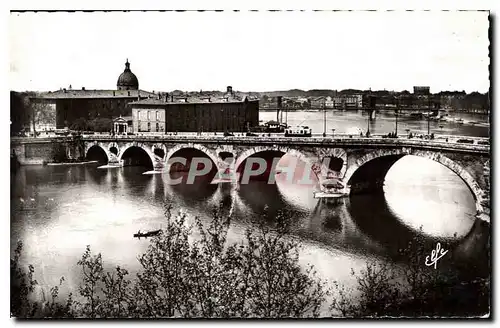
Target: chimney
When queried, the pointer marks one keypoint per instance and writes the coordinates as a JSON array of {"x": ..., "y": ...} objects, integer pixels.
[
  {"x": 230, "y": 89},
  {"x": 166, "y": 97},
  {"x": 128, "y": 92},
  {"x": 114, "y": 93},
  {"x": 83, "y": 88},
  {"x": 159, "y": 96},
  {"x": 64, "y": 90},
  {"x": 172, "y": 97},
  {"x": 138, "y": 95},
  {"x": 185, "y": 99}
]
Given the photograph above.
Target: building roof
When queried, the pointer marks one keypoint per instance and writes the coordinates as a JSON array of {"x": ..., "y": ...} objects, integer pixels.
[
  {"x": 122, "y": 119},
  {"x": 189, "y": 100},
  {"x": 127, "y": 79},
  {"x": 63, "y": 94}
]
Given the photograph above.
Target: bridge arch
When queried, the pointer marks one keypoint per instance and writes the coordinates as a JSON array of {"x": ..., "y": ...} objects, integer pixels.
[
  {"x": 90, "y": 147},
  {"x": 277, "y": 149},
  {"x": 374, "y": 166},
  {"x": 186, "y": 146},
  {"x": 138, "y": 146}
]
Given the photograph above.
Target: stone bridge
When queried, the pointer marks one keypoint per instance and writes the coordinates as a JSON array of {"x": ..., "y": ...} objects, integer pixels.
[{"x": 360, "y": 164}]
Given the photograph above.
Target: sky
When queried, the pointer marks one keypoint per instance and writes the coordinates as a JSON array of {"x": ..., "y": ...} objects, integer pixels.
[{"x": 251, "y": 51}]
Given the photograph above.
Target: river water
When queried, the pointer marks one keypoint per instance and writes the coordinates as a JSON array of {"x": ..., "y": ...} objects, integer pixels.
[{"x": 57, "y": 210}]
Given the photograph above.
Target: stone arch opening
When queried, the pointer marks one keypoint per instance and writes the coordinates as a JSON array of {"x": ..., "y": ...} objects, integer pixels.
[
  {"x": 369, "y": 175},
  {"x": 137, "y": 156},
  {"x": 251, "y": 163},
  {"x": 249, "y": 168},
  {"x": 335, "y": 164},
  {"x": 159, "y": 152},
  {"x": 114, "y": 150},
  {"x": 97, "y": 153},
  {"x": 225, "y": 155},
  {"x": 185, "y": 160}
]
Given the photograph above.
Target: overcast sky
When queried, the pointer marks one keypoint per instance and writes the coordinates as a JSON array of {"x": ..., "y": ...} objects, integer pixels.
[{"x": 252, "y": 51}]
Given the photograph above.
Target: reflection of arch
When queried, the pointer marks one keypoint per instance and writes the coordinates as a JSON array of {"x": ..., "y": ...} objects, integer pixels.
[
  {"x": 199, "y": 147},
  {"x": 382, "y": 160},
  {"x": 137, "y": 146},
  {"x": 99, "y": 148}
]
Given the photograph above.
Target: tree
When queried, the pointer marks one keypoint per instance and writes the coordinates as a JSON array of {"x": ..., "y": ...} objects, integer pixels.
[
  {"x": 39, "y": 112},
  {"x": 80, "y": 124},
  {"x": 199, "y": 275},
  {"x": 101, "y": 124}
]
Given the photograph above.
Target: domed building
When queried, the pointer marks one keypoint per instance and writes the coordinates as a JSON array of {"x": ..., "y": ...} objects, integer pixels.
[{"x": 127, "y": 80}]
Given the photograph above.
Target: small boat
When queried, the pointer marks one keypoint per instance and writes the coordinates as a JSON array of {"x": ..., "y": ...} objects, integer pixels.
[
  {"x": 146, "y": 234},
  {"x": 459, "y": 121}
]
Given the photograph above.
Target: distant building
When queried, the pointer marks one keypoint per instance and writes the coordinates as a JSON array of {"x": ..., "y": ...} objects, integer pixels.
[
  {"x": 318, "y": 102},
  {"x": 348, "y": 101},
  {"x": 424, "y": 91}
]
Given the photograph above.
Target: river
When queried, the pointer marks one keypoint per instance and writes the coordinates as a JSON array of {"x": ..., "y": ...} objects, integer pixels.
[
  {"x": 57, "y": 210},
  {"x": 384, "y": 122}
]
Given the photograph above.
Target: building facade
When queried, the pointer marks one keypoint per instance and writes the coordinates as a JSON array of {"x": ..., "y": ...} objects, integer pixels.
[
  {"x": 423, "y": 91},
  {"x": 73, "y": 104},
  {"x": 348, "y": 101},
  {"x": 194, "y": 115},
  {"x": 148, "y": 119}
]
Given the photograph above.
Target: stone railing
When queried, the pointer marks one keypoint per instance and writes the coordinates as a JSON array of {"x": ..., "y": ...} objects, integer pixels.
[{"x": 277, "y": 139}]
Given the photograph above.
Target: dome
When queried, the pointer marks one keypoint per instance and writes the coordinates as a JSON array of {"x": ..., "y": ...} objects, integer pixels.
[{"x": 127, "y": 80}]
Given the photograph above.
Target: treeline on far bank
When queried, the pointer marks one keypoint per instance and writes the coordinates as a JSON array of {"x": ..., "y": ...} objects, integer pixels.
[{"x": 258, "y": 277}]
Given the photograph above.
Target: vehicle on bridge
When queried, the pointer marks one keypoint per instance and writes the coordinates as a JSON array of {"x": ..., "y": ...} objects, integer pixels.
[
  {"x": 298, "y": 131},
  {"x": 270, "y": 127}
]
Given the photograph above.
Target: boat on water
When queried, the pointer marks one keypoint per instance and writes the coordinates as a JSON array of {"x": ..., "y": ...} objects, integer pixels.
[
  {"x": 146, "y": 234},
  {"x": 459, "y": 121}
]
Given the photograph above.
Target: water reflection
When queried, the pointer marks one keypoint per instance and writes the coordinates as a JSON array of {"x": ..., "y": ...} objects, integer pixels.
[{"x": 63, "y": 209}]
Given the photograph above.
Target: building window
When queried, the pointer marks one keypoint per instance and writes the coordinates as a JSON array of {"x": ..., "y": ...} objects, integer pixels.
[
  {"x": 157, "y": 115},
  {"x": 157, "y": 126},
  {"x": 138, "y": 115},
  {"x": 149, "y": 126},
  {"x": 149, "y": 117}
]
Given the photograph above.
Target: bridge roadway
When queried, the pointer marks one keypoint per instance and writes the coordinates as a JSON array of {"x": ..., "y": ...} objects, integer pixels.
[{"x": 441, "y": 142}]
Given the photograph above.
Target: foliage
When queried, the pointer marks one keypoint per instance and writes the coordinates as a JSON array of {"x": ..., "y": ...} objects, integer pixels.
[
  {"x": 80, "y": 124},
  {"x": 412, "y": 290},
  {"x": 101, "y": 124},
  {"x": 38, "y": 112},
  {"x": 191, "y": 270}
]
